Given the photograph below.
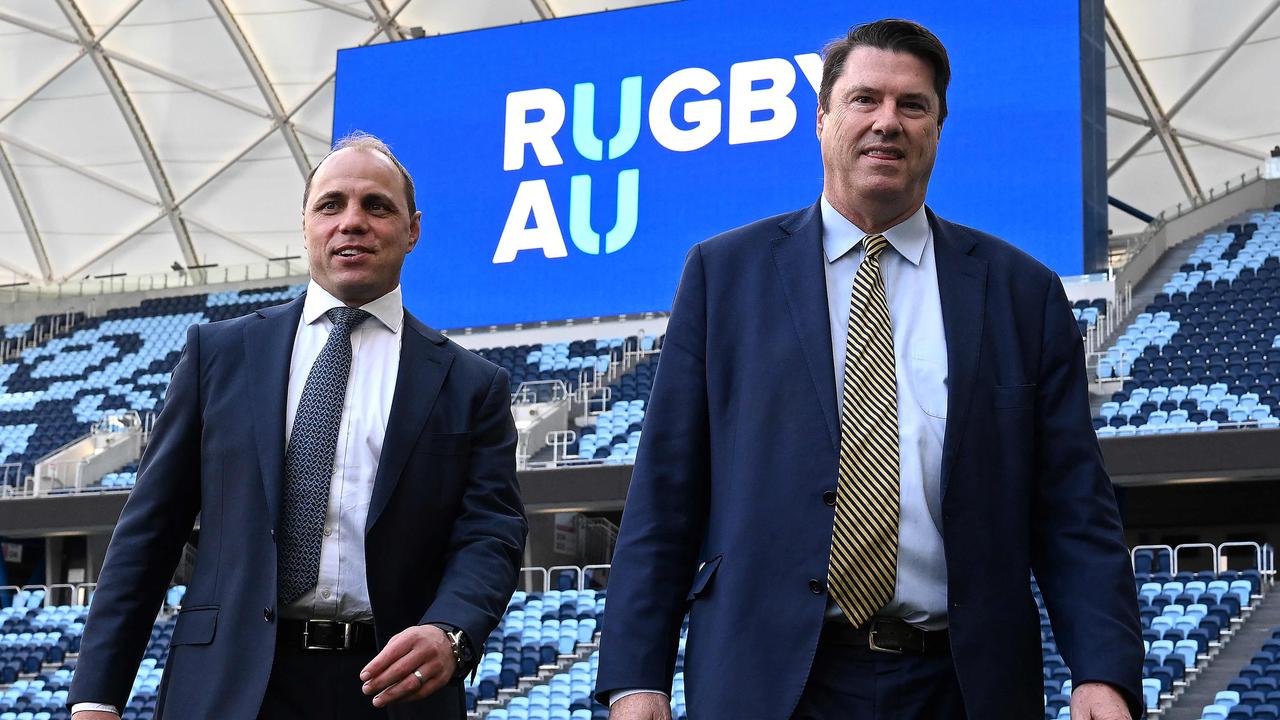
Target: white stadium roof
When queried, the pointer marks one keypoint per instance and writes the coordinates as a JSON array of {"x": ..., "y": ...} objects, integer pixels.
[{"x": 139, "y": 133}]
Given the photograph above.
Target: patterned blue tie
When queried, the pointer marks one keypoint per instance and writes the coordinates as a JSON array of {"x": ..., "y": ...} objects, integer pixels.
[{"x": 308, "y": 463}]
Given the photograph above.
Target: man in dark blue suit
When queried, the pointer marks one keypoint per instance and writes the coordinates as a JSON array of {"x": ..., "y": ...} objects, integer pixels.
[
  {"x": 869, "y": 427},
  {"x": 361, "y": 528}
]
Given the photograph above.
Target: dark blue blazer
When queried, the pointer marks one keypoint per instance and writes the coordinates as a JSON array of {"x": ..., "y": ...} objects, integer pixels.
[
  {"x": 741, "y": 441},
  {"x": 443, "y": 540}
]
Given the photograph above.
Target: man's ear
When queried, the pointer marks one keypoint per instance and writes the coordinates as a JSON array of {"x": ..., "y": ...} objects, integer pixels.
[{"x": 415, "y": 230}]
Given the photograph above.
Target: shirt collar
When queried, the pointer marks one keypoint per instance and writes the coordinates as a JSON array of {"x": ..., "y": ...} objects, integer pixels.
[
  {"x": 388, "y": 309},
  {"x": 839, "y": 236}
]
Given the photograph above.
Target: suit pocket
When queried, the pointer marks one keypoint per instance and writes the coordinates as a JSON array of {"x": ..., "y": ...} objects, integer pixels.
[
  {"x": 1015, "y": 396},
  {"x": 445, "y": 443},
  {"x": 196, "y": 626},
  {"x": 702, "y": 581}
]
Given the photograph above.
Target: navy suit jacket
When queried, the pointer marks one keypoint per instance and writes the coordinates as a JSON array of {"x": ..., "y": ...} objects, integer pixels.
[
  {"x": 741, "y": 440},
  {"x": 443, "y": 540}
]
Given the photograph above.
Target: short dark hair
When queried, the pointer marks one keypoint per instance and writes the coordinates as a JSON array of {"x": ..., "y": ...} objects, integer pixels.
[
  {"x": 360, "y": 140},
  {"x": 894, "y": 35}
]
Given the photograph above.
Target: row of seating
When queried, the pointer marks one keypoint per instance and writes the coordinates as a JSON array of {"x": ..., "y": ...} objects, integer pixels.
[
  {"x": 1254, "y": 694},
  {"x": 1208, "y": 345},
  {"x": 109, "y": 365}
]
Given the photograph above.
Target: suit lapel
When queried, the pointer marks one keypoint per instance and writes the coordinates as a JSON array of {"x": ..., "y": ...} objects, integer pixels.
[
  {"x": 799, "y": 260},
  {"x": 424, "y": 363},
  {"x": 268, "y": 351},
  {"x": 962, "y": 287}
]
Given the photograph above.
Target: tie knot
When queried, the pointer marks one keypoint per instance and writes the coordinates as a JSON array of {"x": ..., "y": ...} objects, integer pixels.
[
  {"x": 874, "y": 245},
  {"x": 347, "y": 319}
]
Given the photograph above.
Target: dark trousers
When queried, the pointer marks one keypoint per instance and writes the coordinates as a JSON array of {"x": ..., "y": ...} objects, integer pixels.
[
  {"x": 857, "y": 683},
  {"x": 317, "y": 685}
]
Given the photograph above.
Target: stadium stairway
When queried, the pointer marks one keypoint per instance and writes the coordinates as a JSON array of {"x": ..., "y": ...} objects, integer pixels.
[
  {"x": 1248, "y": 640},
  {"x": 1142, "y": 295}
]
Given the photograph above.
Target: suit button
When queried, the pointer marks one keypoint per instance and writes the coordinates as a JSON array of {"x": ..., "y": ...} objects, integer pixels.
[
  {"x": 815, "y": 587},
  {"x": 268, "y": 614},
  {"x": 829, "y": 497}
]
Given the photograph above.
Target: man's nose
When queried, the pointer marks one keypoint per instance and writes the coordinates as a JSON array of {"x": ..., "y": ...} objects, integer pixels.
[
  {"x": 354, "y": 220},
  {"x": 886, "y": 120}
]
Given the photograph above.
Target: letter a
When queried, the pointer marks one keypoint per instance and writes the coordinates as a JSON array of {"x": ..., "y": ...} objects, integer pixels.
[{"x": 532, "y": 198}]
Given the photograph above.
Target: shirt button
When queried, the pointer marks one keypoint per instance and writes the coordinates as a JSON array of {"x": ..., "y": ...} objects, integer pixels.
[
  {"x": 815, "y": 586},
  {"x": 268, "y": 614},
  {"x": 325, "y": 593},
  {"x": 328, "y": 531},
  {"x": 829, "y": 497}
]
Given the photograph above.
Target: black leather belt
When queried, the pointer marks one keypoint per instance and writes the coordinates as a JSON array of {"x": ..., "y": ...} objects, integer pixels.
[
  {"x": 887, "y": 635},
  {"x": 326, "y": 635}
]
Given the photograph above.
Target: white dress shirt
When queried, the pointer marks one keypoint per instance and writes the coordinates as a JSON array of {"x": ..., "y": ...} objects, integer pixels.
[
  {"x": 920, "y": 355},
  {"x": 341, "y": 592}
]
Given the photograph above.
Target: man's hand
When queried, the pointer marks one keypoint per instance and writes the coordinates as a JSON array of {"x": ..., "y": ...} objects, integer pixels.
[
  {"x": 389, "y": 676},
  {"x": 1098, "y": 701},
  {"x": 95, "y": 715},
  {"x": 641, "y": 706}
]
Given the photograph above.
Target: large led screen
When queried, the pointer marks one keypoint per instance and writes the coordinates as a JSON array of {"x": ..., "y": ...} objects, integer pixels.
[{"x": 565, "y": 167}]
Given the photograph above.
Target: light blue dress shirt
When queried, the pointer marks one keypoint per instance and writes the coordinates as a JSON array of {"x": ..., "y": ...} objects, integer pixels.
[{"x": 920, "y": 354}]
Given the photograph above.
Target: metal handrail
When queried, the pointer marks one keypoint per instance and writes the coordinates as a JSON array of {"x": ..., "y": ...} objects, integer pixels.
[
  {"x": 546, "y": 577},
  {"x": 1133, "y": 556},
  {"x": 1217, "y": 556},
  {"x": 582, "y": 577},
  {"x": 560, "y": 568},
  {"x": 1257, "y": 553}
]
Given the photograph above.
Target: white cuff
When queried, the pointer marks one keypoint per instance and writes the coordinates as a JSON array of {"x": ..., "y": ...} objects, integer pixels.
[
  {"x": 99, "y": 707},
  {"x": 617, "y": 695}
]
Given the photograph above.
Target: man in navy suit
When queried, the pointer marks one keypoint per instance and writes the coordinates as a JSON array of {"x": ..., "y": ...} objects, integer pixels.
[
  {"x": 361, "y": 528},
  {"x": 823, "y": 578}
]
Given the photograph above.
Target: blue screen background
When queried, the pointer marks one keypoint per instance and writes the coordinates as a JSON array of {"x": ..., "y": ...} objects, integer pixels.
[{"x": 1009, "y": 161}]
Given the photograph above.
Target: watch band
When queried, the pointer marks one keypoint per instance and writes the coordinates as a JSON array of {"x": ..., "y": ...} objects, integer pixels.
[{"x": 461, "y": 648}]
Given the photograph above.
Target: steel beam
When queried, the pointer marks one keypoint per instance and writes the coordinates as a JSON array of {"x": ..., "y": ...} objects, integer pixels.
[
  {"x": 344, "y": 9},
  {"x": 1151, "y": 106},
  {"x": 1192, "y": 136},
  {"x": 139, "y": 132},
  {"x": 251, "y": 61},
  {"x": 108, "y": 249},
  {"x": 543, "y": 9},
  {"x": 382, "y": 16},
  {"x": 78, "y": 169},
  {"x": 230, "y": 237},
  {"x": 1200, "y": 82},
  {"x": 24, "y": 214}
]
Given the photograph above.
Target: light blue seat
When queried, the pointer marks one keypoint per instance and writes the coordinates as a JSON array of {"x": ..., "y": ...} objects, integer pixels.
[
  {"x": 1207, "y": 426},
  {"x": 1151, "y": 692},
  {"x": 1227, "y": 698},
  {"x": 1214, "y": 712}
]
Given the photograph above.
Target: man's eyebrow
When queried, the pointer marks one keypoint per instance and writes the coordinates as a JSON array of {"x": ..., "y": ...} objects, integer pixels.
[
  {"x": 329, "y": 195},
  {"x": 382, "y": 198}
]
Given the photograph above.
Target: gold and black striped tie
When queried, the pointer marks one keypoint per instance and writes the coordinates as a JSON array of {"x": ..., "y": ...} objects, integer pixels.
[{"x": 864, "y": 540}]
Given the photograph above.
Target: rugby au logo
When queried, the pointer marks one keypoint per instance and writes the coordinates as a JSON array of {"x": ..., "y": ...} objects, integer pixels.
[{"x": 760, "y": 109}]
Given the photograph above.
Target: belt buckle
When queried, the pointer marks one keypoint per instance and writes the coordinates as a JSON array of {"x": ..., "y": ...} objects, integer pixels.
[
  {"x": 875, "y": 645},
  {"x": 348, "y": 631}
]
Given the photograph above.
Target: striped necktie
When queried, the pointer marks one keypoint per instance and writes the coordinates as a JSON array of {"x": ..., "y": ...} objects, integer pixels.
[{"x": 864, "y": 539}]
